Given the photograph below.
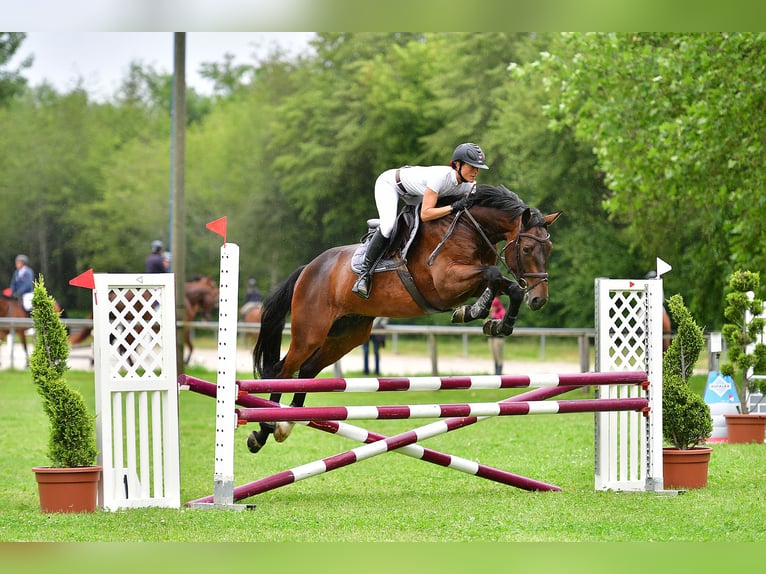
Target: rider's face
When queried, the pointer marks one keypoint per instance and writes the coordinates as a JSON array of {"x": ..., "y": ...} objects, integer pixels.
[{"x": 469, "y": 172}]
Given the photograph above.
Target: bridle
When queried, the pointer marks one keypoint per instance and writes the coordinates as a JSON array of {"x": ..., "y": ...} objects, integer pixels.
[{"x": 520, "y": 276}]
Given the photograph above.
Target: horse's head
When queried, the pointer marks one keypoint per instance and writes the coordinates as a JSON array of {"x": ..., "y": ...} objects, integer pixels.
[
  {"x": 526, "y": 253},
  {"x": 528, "y": 243}
]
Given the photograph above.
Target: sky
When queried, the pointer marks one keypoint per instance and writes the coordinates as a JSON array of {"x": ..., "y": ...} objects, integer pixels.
[{"x": 101, "y": 59}]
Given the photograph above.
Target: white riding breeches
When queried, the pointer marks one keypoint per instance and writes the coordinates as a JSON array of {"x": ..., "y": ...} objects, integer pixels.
[{"x": 387, "y": 197}]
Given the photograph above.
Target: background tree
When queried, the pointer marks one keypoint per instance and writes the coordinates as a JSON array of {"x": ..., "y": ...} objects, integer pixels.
[
  {"x": 288, "y": 148},
  {"x": 677, "y": 123},
  {"x": 12, "y": 82}
]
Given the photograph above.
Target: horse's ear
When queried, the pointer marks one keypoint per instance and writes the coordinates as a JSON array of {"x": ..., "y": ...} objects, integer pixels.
[
  {"x": 552, "y": 217},
  {"x": 525, "y": 217}
]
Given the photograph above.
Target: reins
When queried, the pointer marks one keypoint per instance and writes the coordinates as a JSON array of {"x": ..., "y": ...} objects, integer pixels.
[{"x": 521, "y": 278}]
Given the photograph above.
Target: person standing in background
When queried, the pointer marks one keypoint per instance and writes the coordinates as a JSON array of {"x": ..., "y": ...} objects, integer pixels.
[
  {"x": 497, "y": 311},
  {"x": 155, "y": 262},
  {"x": 378, "y": 340}
]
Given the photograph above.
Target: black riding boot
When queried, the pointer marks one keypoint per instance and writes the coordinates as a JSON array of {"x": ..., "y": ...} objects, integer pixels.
[{"x": 375, "y": 249}]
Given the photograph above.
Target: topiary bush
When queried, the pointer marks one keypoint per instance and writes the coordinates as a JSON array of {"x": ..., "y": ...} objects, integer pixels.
[
  {"x": 742, "y": 351},
  {"x": 686, "y": 419},
  {"x": 72, "y": 439}
]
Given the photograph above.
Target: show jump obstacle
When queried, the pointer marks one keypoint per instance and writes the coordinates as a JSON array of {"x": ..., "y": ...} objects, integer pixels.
[
  {"x": 138, "y": 427},
  {"x": 136, "y": 388},
  {"x": 628, "y": 436}
]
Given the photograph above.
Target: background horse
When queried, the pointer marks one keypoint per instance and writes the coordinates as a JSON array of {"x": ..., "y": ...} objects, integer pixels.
[
  {"x": 449, "y": 260},
  {"x": 11, "y": 308},
  {"x": 202, "y": 294},
  {"x": 251, "y": 313}
]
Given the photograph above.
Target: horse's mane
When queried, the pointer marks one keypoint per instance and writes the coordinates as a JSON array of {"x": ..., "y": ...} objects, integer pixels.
[{"x": 502, "y": 198}]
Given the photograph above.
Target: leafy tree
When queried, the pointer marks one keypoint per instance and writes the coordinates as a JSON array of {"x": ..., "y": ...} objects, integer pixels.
[
  {"x": 11, "y": 81},
  {"x": 51, "y": 163},
  {"x": 555, "y": 172},
  {"x": 676, "y": 122}
]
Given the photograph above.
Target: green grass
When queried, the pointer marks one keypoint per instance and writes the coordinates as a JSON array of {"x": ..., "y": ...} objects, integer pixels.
[{"x": 389, "y": 497}]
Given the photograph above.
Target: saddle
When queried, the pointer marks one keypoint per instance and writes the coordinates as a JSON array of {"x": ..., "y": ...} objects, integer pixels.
[
  {"x": 405, "y": 228},
  {"x": 395, "y": 257}
]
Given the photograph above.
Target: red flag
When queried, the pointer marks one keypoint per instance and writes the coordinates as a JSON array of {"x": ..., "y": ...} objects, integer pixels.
[
  {"x": 218, "y": 226},
  {"x": 84, "y": 280}
]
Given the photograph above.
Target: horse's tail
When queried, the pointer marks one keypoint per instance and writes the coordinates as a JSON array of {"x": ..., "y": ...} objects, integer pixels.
[{"x": 266, "y": 353}]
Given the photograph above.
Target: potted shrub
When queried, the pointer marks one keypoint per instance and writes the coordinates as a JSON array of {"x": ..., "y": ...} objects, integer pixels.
[
  {"x": 70, "y": 483},
  {"x": 686, "y": 420},
  {"x": 744, "y": 356}
]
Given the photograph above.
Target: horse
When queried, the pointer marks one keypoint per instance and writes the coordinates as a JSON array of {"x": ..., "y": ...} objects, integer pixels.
[
  {"x": 12, "y": 308},
  {"x": 202, "y": 294},
  {"x": 448, "y": 261},
  {"x": 250, "y": 312}
]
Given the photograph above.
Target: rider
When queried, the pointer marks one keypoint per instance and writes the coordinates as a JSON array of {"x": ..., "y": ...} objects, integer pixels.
[
  {"x": 155, "y": 262},
  {"x": 253, "y": 297},
  {"x": 413, "y": 185},
  {"x": 22, "y": 282}
]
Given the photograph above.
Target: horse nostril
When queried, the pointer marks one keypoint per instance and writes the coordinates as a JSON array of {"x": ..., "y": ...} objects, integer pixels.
[{"x": 536, "y": 303}]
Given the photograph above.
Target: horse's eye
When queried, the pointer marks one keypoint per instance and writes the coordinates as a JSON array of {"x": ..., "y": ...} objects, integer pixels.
[{"x": 527, "y": 250}]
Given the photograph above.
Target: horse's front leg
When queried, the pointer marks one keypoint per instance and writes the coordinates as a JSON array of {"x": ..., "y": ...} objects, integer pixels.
[
  {"x": 480, "y": 309},
  {"x": 504, "y": 327}
]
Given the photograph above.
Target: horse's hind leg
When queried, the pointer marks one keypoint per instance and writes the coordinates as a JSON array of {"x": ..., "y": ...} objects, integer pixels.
[
  {"x": 349, "y": 335},
  {"x": 256, "y": 440}
]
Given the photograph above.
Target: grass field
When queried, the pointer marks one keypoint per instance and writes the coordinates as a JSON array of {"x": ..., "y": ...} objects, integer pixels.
[{"x": 390, "y": 497}]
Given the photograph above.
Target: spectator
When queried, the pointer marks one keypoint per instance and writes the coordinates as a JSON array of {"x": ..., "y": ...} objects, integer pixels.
[
  {"x": 496, "y": 343},
  {"x": 378, "y": 340}
]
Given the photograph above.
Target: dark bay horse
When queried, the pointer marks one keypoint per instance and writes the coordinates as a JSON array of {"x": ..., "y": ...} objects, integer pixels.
[
  {"x": 449, "y": 261},
  {"x": 12, "y": 308}
]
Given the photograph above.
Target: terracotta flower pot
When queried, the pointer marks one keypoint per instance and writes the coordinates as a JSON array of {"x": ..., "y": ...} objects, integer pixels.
[
  {"x": 746, "y": 428},
  {"x": 68, "y": 489},
  {"x": 685, "y": 468}
]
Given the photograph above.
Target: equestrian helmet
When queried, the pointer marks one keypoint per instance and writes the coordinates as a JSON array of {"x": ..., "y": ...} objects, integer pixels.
[
  {"x": 157, "y": 246},
  {"x": 23, "y": 258},
  {"x": 471, "y": 154}
]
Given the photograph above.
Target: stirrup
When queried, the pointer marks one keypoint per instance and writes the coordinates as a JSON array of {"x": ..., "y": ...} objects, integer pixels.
[{"x": 361, "y": 287}]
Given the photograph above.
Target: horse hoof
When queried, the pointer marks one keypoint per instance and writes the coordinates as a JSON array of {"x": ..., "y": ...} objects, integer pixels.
[
  {"x": 283, "y": 431},
  {"x": 493, "y": 328},
  {"x": 252, "y": 443},
  {"x": 458, "y": 315}
]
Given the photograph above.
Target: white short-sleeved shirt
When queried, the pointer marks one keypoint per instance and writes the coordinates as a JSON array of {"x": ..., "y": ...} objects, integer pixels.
[{"x": 440, "y": 178}]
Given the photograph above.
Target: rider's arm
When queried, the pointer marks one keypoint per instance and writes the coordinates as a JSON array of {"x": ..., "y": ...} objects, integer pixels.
[{"x": 428, "y": 209}]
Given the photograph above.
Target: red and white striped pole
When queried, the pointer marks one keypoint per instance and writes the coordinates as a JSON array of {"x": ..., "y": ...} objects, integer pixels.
[
  {"x": 415, "y": 450},
  {"x": 390, "y": 412},
  {"x": 367, "y": 384}
]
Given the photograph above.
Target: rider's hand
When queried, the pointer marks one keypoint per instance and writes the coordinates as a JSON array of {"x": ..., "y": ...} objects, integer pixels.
[{"x": 462, "y": 203}]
